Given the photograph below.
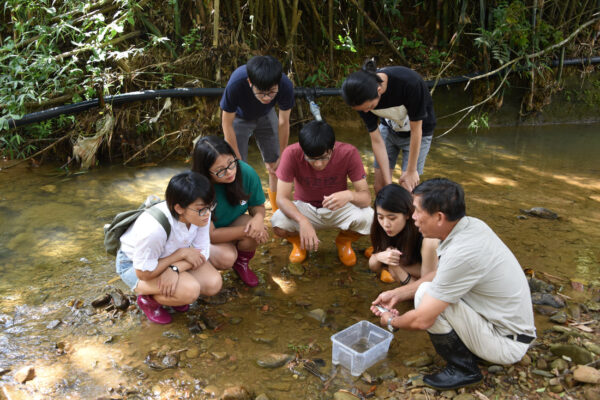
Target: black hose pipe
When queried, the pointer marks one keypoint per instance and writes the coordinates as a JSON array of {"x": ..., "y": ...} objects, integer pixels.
[{"x": 308, "y": 93}]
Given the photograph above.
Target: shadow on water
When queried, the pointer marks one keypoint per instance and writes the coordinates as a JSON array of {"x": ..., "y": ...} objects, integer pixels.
[{"x": 53, "y": 265}]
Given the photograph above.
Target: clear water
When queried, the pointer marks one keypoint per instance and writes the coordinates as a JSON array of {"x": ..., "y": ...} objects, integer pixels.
[{"x": 52, "y": 258}]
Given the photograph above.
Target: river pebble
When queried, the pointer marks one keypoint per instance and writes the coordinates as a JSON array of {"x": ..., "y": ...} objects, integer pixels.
[
  {"x": 496, "y": 369},
  {"x": 548, "y": 300},
  {"x": 53, "y": 324},
  {"x": 235, "y": 393},
  {"x": 25, "y": 374},
  {"x": 586, "y": 374},
  {"x": 318, "y": 314},
  {"x": 296, "y": 269},
  {"x": 559, "y": 318},
  {"x": 593, "y": 347},
  {"x": 578, "y": 354},
  {"x": 421, "y": 360},
  {"x": 273, "y": 360}
]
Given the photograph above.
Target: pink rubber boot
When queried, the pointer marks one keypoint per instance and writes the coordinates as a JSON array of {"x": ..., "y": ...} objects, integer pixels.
[
  {"x": 242, "y": 268},
  {"x": 153, "y": 310},
  {"x": 182, "y": 308}
]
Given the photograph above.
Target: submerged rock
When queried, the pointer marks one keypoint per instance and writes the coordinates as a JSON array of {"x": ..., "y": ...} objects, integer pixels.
[
  {"x": 540, "y": 212},
  {"x": 318, "y": 314},
  {"x": 274, "y": 360},
  {"x": 418, "y": 361},
  {"x": 236, "y": 393}
]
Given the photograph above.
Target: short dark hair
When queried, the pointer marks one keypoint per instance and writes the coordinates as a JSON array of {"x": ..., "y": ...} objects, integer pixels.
[
  {"x": 361, "y": 86},
  {"x": 444, "y": 195},
  {"x": 264, "y": 71},
  {"x": 396, "y": 199},
  {"x": 206, "y": 152},
  {"x": 187, "y": 187},
  {"x": 316, "y": 138}
]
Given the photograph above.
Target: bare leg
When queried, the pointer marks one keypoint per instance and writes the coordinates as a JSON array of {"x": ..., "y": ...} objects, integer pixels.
[{"x": 222, "y": 255}]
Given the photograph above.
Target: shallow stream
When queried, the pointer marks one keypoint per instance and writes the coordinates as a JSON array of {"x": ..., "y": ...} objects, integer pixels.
[{"x": 53, "y": 265}]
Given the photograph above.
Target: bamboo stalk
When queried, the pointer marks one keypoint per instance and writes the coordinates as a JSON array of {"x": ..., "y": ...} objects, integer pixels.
[
  {"x": 360, "y": 28},
  {"x": 283, "y": 19},
  {"x": 331, "y": 45},
  {"x": 215, "y": 42},
  {"x": 177, "y": 20},
  {"x": 383, "y": 36}
]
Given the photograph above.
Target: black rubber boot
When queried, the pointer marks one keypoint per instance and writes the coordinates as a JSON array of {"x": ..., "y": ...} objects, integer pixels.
[{"x": 461, "y": 369}]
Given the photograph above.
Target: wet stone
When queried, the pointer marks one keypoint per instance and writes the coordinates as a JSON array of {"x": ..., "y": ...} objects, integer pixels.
[
  {"x": 235, "y": 320},
  {"x": 318, "y": 314},
  {"x": 496, "y": 369},
  {"x": 418, "y": 361},
  {"x": 540, "y": 372},
  {"x": 171, "y": 335},
  {"x": 268, "y": 339},
  {"x": 586, "y": 374},
  {"x": 559, "y": 364},
  {"x": 53, "y": 324},
  {"x": 344, "y": 395},
  {"x": 303, "y": 302},
  {"x": 262, "y": 396},
  {"x": 526, "y": 360},
  {"x": 559, "y": 318},
  {"x": 219, "y": 355},
  {"x": 279, "y": 386},
  {"x": 192, "y": 353},
  {"x": 547, "y": 299},
  {"x": 296, "y": 269},
  {"x": 101, "y": 300},
  {"x": 593, "y": 347},
  {"x": 381, "y": 373},
  {"x": 537, "y": 285},
  {"x": 591, "y": 393},
  {"x": 273, "y": 360},
  {"x": 542, "y": 364},
  {"x": 235, "y": 393},
  {"x": 578, "y": 354},
  {"x": 575, "y": 311},
  {"x": 25, "y": 374}
]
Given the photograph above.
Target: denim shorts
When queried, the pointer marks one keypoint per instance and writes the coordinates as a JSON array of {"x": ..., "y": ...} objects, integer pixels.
[
  {"x": 394, "y": 143},
  {"x": 125, "y": 270}
]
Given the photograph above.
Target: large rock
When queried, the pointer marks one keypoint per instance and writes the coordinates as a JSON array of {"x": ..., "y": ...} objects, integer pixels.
[
  {"x": 579, "y": 355},
  {"x": 25, "y": 374},
  {"x": 274, "y": 360},
  {"x": 586, "y": 374},
  {"x": 236, "y": 393}
]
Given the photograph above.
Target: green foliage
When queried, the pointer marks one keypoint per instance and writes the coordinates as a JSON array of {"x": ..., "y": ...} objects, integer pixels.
[
  {"x": 479, "y": 122},
  {"x": 192, "y": 42},
  {"x": 345, "y": 43},
  {"x": 49, "y": 49},
  {"x": 319, "y": 78},
  {"x": 512, "y": 35}
]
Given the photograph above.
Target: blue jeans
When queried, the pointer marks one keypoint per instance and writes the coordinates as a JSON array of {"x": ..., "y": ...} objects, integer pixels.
[
  {"x": 394, "y": 143},
  {"x": 125, "y": 270}
]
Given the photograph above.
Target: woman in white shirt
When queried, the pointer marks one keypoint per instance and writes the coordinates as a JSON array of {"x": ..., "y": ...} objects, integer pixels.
[{"x": 171, "y": 269}]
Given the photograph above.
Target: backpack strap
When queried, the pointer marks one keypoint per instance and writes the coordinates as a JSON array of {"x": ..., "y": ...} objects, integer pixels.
[{"x": 161, "y": 218}]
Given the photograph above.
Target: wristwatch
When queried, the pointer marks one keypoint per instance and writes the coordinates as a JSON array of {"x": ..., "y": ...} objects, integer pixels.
[
  {"x": 389, "y": 324},
  {"x": 174, "y": 268}
]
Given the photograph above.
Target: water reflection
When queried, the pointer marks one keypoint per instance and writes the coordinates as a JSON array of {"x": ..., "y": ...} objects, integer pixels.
[{"x": 52, "y": 256}]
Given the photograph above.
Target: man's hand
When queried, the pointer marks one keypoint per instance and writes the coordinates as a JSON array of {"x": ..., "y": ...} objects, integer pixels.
[
  {"x": 167, "y": 282},
  {"x": 409, "y": 180},
  {"x": 387, "y": 299},
  {"x": 337, "y": 200},
  {"x": 391, "y": 256},
  {"x": 308, "y": 236}
]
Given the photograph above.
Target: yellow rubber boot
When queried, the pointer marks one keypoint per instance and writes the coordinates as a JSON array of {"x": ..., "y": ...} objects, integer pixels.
[
  {"x": 298, "y": 254},
  {"x": 385, "y": 276},
  {"x": 273, "y": 200},
  {"x": 343, "y": 242},
  {"x": 369, "y": 252}
]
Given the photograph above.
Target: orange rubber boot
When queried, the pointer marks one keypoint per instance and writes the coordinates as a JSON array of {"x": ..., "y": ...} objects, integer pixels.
[
  {"x": 273, "y": 200},
  {"x": 343, "y": 242},
  {"x": 385, "y": 276},
  {"x": 369, "y": 252},
  {"x": 297, "y": 255}
]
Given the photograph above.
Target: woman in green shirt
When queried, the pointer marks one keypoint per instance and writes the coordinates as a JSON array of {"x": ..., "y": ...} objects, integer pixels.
[{"x": 237, "y": 226}]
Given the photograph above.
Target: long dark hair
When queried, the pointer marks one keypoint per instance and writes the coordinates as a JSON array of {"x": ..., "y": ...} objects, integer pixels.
[
  {"x": 361, "y": 86},
  {"x": 206, "y": 152},
  {"x": 396, "y": 199}
]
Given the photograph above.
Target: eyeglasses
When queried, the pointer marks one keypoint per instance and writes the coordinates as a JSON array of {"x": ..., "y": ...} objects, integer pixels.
[
  {"x": 223, "y": 171},
  {"x": 265, "y": 95},
  {"x": 315, "y": 159},
  {"x": 205, "y": 210}
]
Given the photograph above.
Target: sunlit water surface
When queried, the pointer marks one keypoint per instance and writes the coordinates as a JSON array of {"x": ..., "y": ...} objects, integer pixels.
[{"x": 52, "y": 258}]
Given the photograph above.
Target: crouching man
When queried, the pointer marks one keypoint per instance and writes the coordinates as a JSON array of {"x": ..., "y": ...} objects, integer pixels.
[
  {"x": 317, "y": 169},
  {"x": 478, "y": 304}
]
